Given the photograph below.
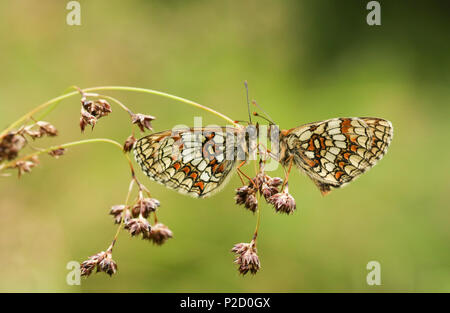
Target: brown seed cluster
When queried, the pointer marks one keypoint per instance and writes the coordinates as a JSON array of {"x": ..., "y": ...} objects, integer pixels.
[
  {"x": 26, "y": 166},
  {"x": 92, "y": 111},
  {"x": 160, "y": 234},
  {"x": 13, "y": 142},
  {"x": 138, "y": 225},
  {"x": 269, "y": 188},
  {"x": 95, "y": 108},
  {"x": 101, "y": 261},
  {"x": 40, "y": 129},
  {"x": 246, "y": 258},
  {"x": 246, "y": 195},
  {"x": 142, "y": 121},
  {"x": 135, "y": 219},
  {"x": 283, "y": 202},
  {"x": 56, "y": 153},
  {"x": 10, "y": 146},
  {"x": 129, "y": 143}
]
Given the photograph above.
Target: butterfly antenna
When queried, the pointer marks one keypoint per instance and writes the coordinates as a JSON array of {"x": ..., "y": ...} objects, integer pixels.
[
  {"x": 248, "y": 102},
  {"x": 266, "y": 117},
  {"x": 263, "y": 117}
]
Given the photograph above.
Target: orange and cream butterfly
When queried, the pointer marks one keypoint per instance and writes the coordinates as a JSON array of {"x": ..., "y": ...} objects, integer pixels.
[{"x": 198, "y": 162}]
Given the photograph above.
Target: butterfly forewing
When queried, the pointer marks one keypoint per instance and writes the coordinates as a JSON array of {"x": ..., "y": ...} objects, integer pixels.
[
  {"x": 191, "y": 161},
  {"x": 336, "y": 151}
]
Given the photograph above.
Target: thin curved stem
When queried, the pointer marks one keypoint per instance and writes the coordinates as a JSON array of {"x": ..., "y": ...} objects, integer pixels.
[
  {"x": 166, "y": 95},
  {"x": 123, "y": 106},
  {"x": 122, "y": 221},
  {"x": 66, "y": 145},
  {"x": 118, "y": 88},
  {"x": 258, "y": 219}
]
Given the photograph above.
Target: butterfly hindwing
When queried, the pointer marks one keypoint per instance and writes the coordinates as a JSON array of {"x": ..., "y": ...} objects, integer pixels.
[
  {"x": 336, "y": 151},
  {"x": 191, "y": 161}
]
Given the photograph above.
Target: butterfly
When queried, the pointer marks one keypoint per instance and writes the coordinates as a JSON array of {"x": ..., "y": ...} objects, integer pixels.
[{"x": 199, "y": 161}]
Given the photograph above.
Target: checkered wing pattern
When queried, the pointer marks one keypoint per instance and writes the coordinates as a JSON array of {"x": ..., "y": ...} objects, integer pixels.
[
  {"x": 189, "y": 161},
  {"x": 334, "y": 152}
]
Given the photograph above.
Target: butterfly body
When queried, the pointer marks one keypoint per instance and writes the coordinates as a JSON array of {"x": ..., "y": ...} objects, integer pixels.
[{"x": 199, "y": 161}]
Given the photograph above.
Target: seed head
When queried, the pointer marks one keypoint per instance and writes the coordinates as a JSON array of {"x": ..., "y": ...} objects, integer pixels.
[
  {"x": 267, "y": 185},
  {"x": 10, "y": 145},
  {"x": 129, "y": 143},
  {"x": 57, "y": 152},
  {"x": 101, "y": 261},
  {"x": 246, "y": 258},
  {"x": 275, "y": 181},
  {"x": 283, "y": 202},
  {"x": 142, "y": 121},
  {"x": 138, "y": 226},
  {"x": 40, "y": 129},
  {"x": 98, "y": 108},
  {"x": 86, "y": 119},
  {"x": 160, "y": 234},
  {"x": 107, "y": 265},
  {"x": 26, "y": 166},
  {"x": 46, "y": 128},
  {"x": 101, "y": 108},
  {"x": 247, "y": 195},
  {"x": 117, "y": 212},
  {"x": 268, "y": 191},
  {"x": 145, "y": 206}
]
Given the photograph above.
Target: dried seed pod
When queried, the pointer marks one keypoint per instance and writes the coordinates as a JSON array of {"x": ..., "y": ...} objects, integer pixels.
[{"x": 142, "y": 121}]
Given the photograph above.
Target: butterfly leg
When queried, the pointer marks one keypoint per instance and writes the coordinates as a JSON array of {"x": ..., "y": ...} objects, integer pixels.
[
  {"x": 241, "y": 173},
  {"x": 286, "y": 173}
]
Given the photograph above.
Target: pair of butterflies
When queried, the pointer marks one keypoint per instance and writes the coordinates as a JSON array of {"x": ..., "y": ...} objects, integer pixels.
[{"x": 332, "y": 153}]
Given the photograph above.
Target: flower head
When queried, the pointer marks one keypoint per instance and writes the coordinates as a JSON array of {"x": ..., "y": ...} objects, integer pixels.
[
  {"x": 87, "y": 119},
  {"x": 46, "y": 128},
  {"x": 267, "y": 186},
  {"x": 107, "y": 265},
  {"x": 91, "y": 111},
  {"x": 57, "y": 152},
  {"x": 246, "y": 258},
  {"x": 119, "y": 212},
  {"x": 129, "y": 143},
  {"x": 283, "y": 202},
  {"x": 144, "y": 206},
  {"x": 10, "y": 145},
  {"x": 246, "y": 195},
  {"x": 97, "y": 108},
  {"x": 138, "y": 226},
  {"x": 101, "y": 261},
  {"x": 26, "y": 166},
  {"x": 160, "y": 234},
  {"x": 43, "y": 128},
  {"x": 142, "y": 121}
]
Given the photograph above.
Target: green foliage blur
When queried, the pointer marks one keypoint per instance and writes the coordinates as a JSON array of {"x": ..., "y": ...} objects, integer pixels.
[{"x": 305, "y": 61}]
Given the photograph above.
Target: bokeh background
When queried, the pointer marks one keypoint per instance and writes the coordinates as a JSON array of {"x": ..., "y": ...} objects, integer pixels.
[{"x": 305, "y": 61}]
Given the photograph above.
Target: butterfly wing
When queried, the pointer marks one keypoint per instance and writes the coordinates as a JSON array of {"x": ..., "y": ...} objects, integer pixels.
[
  {"x": 190, "y": 161},
  {"x": 336, "y": 151}
]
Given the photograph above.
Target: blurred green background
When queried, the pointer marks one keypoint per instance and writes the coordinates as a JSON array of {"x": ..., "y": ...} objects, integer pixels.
[{"x": 305, "y": 61}]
